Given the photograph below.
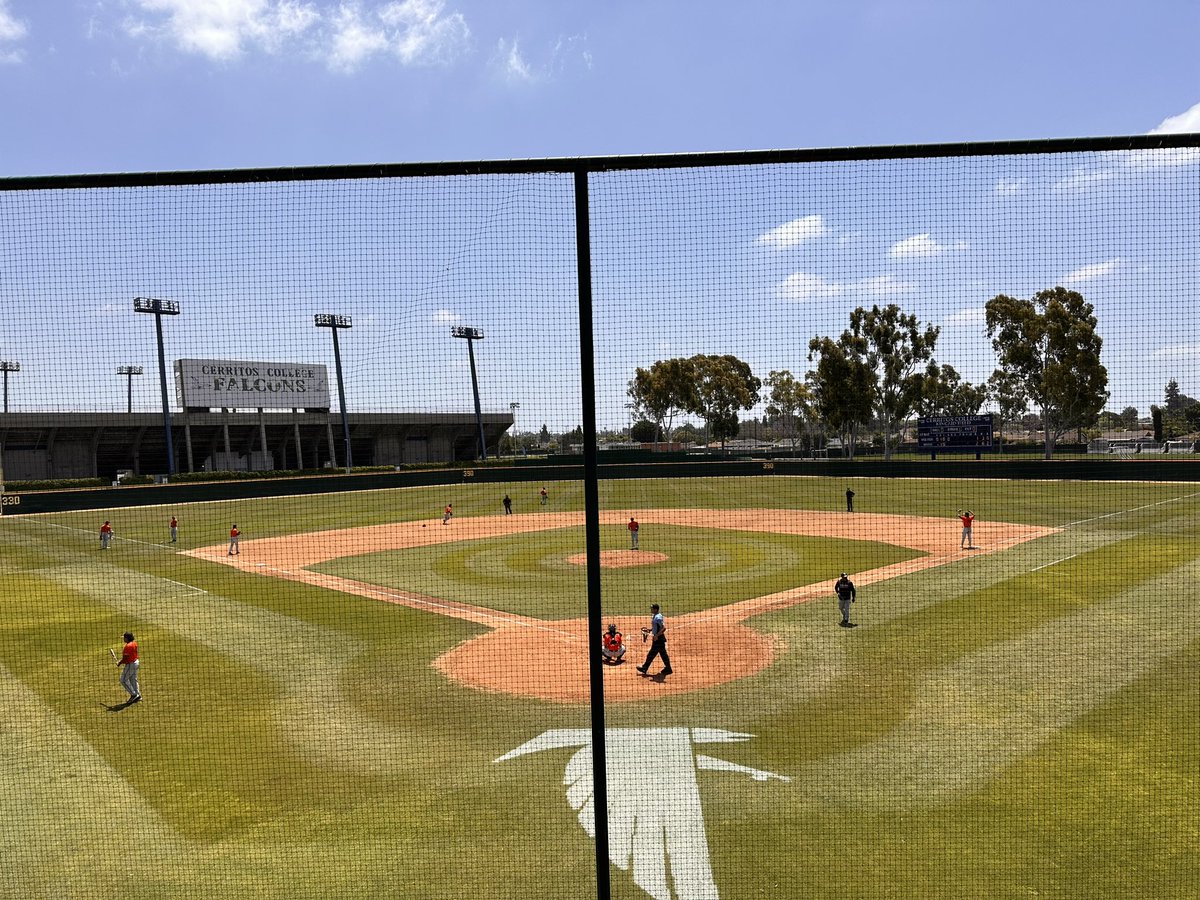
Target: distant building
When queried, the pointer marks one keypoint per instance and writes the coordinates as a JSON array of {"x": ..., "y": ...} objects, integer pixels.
[{"x": 38, "y": 446}]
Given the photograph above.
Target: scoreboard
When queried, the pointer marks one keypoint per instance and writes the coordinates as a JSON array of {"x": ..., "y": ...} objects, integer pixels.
[{"x": 964, "y": 434}]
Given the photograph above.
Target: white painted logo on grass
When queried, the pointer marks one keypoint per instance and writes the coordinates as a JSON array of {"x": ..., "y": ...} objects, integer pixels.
[{"x": 655, "y": 821}]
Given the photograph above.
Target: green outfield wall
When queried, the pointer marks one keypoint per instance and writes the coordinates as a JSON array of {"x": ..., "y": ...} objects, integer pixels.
[{"x": 26, "y": 503}]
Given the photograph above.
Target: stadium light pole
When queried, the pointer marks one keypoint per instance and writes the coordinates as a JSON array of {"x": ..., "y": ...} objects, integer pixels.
[
  {"x": 512, "y": 411},
  {"x": 7, "y": 366},
  {"x": 333, "y": 323},
  {"x": 129, "y": 372},
  {"x": 160, "y": 308},
  {"x": 471, "y": 335}
]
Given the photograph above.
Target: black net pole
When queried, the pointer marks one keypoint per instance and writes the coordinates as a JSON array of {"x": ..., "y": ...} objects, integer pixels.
[
  {"x": 591, "y": 498},
  {"x": 337, "y": 362},
  {"x": 166, "y": 403},
  {"x": 478, "y": 407}
]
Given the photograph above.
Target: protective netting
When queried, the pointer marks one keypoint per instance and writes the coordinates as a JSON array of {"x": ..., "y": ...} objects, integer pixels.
[{"x": 892, "y": 647}]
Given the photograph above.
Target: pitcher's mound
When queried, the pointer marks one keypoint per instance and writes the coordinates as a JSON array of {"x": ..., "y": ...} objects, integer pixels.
[{"x": 621, "y": 559}]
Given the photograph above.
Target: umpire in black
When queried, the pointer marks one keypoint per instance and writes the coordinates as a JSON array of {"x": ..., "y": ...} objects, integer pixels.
[{"x": 846, "y": 595}]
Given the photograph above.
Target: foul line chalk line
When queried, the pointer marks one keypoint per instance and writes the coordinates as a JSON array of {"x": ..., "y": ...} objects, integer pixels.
[
  {"x": 420, "y": 601},
  {"x": 1055, "y": 563},
  {"x": 190, "y": 587},
  {"x": 1122, "y": 512},
  {"x": 95, "y": 535}
]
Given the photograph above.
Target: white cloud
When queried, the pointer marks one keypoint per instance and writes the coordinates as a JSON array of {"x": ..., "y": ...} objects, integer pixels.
[
  {"x": 882, "y": 287},
  {"x": 794, "y": 233},
  {"x": 966, "y": 318},
  {"x": 343, "y": 35},
  {"x": 922, "y": 245},
  {"x": 567, "y": 50},
  {"x": 425, "y": 34},
  {"x": 1187, "y": 122},
  {"x": 353, "y": 41},
  {"x": 1008, "y": 187},
  {"x": 12, "y": 31},
  {"x": 1183, "y": 351},
  {"x": 511, "y": 63},
  {"x": 1163, "y": 158},
  {"x": 223, "y": 29},
  {"x": 801, "y": 287},
  {"x": 446, "y": 317},
  {"x": 1082, "y": 180},
  {"x": 1092, "y": 272}
]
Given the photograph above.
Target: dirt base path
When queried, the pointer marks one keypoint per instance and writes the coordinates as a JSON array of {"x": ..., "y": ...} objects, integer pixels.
[{"x": 533, "y": 657}]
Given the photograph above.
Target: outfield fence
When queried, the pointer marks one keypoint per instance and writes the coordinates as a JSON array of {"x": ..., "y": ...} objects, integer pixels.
[{"x": 816, "y": 303}]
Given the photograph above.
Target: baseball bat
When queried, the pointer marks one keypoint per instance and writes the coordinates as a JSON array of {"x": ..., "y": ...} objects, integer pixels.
[{"x": 112, "y": 653}]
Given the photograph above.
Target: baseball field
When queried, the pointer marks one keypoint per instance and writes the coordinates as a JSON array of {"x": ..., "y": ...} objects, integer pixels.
[{"x": 367, "y": 702}]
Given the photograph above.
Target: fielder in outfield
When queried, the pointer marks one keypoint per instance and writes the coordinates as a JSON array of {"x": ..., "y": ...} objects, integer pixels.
[{"x": 129, "y": 674}]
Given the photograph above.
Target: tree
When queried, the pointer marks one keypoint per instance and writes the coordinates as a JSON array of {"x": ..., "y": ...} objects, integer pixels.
[
  {"x": 842, "y": 386},
  {"x": 1007, "y": 391},
  {"x": 722, "y": 386},
  {"x": 643, "y": 431},
  {"x": 544, "y": 435},
  {"x": 946, "y": 394},
  {"x": 1156, "y": 418},
  {"x": 1172, "y": 395},
  {"x": 894, "y": 347},
  {"x": 1129, "y": 418},
  {"x": 1050, "y": 343},
  {"x": 663, "y": 391},
  {"x": 790, "y": 404}
]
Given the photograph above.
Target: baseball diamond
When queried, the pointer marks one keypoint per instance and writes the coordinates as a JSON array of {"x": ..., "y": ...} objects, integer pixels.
[
  {"x": 482, "y": 662},
  {"x": 305, "y": 732}
]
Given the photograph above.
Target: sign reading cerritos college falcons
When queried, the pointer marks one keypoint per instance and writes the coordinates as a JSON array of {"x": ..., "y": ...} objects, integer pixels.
[{"x": 242, "y": 384}]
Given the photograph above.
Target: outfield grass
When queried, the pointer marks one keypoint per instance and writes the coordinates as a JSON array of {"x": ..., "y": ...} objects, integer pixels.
[
  {"x": 1011, "y": 725},
  {"x": 529, "y": 574}
]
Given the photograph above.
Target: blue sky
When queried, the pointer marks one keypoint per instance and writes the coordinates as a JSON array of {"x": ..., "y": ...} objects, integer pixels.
[{"x": 750, "y": 263}]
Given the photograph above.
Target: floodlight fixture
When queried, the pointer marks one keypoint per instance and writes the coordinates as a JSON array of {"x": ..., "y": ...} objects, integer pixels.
[
  {"x": 333, "y": 322},
  {"x": 471, "y": 335},
  {"x": 159, "y": 308},
  {"x": 129, "y": 372},
  {"x": 156, "y": 306},
  {"x": 7, "y": 366}
]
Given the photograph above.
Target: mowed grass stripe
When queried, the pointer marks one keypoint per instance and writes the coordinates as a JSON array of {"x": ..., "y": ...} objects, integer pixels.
[
  {"x": 999, "y": 704},
  {"x": 331, "y": 695},
  {"x": 528, "y": 574},
  {"x": 885, "y": 670},
  {"x": 57, "y": 818},
  {"x": 212, "y": 784}
]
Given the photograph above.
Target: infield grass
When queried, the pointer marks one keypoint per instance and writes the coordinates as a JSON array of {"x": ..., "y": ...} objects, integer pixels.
[{"x": 529, "y": 573}]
